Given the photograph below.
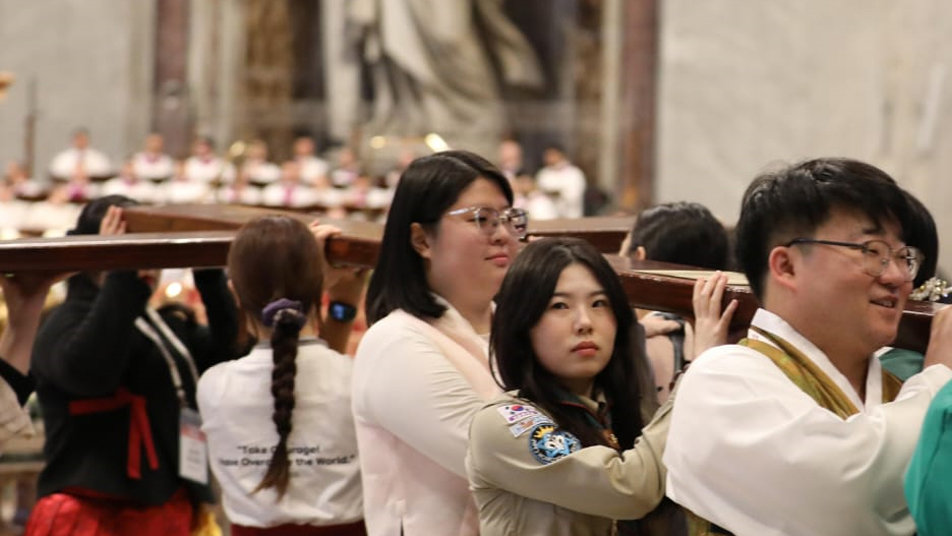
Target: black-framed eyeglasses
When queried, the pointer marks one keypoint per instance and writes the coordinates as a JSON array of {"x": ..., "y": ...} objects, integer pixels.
[
  {"x": 876, "y": 255},
  {"x": 488, "y": 219}
]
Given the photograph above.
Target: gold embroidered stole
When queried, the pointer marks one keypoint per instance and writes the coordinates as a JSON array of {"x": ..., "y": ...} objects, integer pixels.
[{"x": 806, "y": 375}]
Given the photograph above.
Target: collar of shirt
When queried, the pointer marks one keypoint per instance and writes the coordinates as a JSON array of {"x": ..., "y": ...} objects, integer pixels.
[{"x": 773, "y": 323}]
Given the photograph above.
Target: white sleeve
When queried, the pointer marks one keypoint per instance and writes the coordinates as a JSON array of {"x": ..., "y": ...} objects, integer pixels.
[
  {"x": 404, "y": 384},
  {"x": 14, "y": 419},
  {"x": 749, "y": 451}
]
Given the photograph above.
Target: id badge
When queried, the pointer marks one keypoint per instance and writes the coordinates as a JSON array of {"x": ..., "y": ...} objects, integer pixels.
[{"x": 193, "y": 453}]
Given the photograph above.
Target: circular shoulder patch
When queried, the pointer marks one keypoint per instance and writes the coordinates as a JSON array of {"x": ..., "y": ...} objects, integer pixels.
[{"x": 547, "y": 443}]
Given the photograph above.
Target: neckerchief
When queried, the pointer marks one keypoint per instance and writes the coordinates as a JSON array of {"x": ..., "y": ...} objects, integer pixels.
[{"x": 599, "y": 418}]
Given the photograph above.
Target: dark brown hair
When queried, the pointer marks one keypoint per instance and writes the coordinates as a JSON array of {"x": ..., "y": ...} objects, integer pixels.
[{"x": 276, "y": 258}]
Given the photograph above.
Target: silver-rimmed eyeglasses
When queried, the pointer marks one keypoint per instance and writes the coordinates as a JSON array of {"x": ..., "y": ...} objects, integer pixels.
[
  {"x": 876, "y": 255},
  {"x": 488, "y": 219}
]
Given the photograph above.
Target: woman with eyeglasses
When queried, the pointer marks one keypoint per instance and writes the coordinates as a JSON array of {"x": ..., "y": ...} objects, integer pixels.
[{"x": 421, "y": 370}]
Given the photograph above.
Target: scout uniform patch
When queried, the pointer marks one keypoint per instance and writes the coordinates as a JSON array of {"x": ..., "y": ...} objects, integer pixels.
[
  {"x": 547, "y": 443},
  {"x": 525, "y": 425},
  {"x": 514, "y": 413}
]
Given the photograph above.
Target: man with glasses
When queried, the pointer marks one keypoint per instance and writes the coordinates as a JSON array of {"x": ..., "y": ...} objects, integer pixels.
[{"x": 797, "y": 429}]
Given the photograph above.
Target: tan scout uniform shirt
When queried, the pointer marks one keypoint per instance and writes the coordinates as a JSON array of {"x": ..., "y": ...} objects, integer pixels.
[{"x": 530, "y": 478}]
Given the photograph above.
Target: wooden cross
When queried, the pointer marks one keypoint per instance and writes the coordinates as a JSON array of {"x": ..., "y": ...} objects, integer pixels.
[{"x": 199, "y": 236}]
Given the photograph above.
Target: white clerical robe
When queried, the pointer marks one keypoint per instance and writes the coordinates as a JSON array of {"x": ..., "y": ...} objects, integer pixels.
[{"x": 751, "y": 452}]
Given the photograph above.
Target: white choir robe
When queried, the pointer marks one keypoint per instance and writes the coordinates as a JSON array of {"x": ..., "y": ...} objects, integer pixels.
[
  {"x": 184, "y": 191},
  {"x": 312, "y": 169},
  {"x": 567, "y": 183},
  {"x": 140, "y": 190},
  {"x": 282, "y": 195},
  {"x": 208, "y": 169},
  {"x": 95, "y": 163},
  {"x": 153, "y": 167},
  {"x": 261, "y": 173},
  {"x": 249, "y": 195}
]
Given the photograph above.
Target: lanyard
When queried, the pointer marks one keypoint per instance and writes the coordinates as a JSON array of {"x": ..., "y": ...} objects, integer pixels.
[{"x": 150, "y": 332}]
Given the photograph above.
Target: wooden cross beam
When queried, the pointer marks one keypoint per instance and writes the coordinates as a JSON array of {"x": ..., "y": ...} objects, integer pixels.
[{"x": 200, "y": 235}]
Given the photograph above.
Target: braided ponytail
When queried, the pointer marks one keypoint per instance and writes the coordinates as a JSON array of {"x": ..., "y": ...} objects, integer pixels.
[
  {"x": 286, "y": 318},
  {"x": 275, "y": 267}
]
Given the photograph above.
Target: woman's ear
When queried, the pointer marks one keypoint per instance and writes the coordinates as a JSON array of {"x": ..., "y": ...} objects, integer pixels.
[{"x": 419, "y": 240}]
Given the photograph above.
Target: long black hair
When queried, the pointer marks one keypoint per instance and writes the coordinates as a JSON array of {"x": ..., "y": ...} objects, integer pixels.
[{"x": 521, "y": 302}]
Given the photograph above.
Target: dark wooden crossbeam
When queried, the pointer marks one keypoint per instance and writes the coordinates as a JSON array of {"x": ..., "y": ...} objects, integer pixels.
[{"x": 175, "y": 237}]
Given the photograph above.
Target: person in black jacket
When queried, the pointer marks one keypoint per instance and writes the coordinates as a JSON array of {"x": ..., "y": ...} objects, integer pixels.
[{"x": 116, "y": 380}]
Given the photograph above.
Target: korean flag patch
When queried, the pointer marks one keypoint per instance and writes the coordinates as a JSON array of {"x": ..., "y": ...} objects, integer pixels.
[
  {"x": 514, "y": 413},
  {"x": 547, "y": 443}
]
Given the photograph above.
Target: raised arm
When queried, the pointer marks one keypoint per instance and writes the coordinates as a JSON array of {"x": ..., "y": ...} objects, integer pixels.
[
  {"x": 604, "y": 482},
  {"x": 216, "y": 342},
  {"x": 710, "y": 322},
  {"x": 343, "y": 286},
  {"x": 85, "y": 346}
]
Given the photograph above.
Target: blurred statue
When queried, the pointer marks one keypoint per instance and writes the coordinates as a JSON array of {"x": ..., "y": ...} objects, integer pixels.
[{"x": 439, "y": 66}]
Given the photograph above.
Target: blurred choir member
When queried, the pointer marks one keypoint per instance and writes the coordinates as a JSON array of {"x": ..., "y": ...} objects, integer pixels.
[
  {"x": 534, "y": 201},
  {"x": 204, "y": 165},
  {"x": 364, "y": 193},
  {"x": 256, "y": 167},
  {"x": 152, "y": 164},
  {"x": 129, "y": 184},
  {"x": 510, "y": 159},
  {"x": 348, "y": 168},
  {"x": 80, "y": 161},
  {"x": 288, "y": 192},
  {"x": 239, "y": 192},
  {"x": 183, "y": 190},
  {"x": 17, "y": 183},
  {"x": 563, "y": 181},
  {"x": 313, "y": 169}
]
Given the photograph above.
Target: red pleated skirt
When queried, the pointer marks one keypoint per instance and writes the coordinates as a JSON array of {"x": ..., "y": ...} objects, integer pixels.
[
  {"x": 64, "y": 514},
  {"x": 350, "y": 529}
]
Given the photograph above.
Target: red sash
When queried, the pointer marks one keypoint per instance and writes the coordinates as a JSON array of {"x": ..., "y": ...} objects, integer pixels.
[{"x": 140, "y": 432}]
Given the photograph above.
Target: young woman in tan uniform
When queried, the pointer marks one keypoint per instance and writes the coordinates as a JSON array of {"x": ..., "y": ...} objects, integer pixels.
[{"x": 564, "y": 451}]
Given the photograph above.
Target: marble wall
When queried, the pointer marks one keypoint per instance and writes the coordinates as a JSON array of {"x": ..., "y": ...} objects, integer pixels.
[
  {"x": 747, "y": 85},
  {"x": 91, "y": 61}
]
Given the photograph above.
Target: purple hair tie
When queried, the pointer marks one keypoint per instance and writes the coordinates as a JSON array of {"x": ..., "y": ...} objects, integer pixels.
[{"x": 281, "y": 307}]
